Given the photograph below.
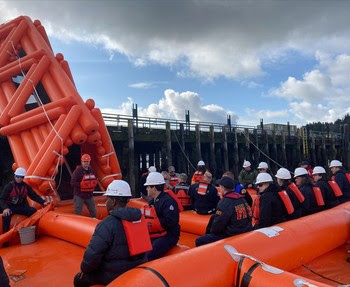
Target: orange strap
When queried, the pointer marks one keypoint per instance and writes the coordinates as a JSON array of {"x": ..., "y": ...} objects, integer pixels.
[
  {"x": 202, "y": 188},
  {"x": 348, "y": 176},
  {"x": 256, "y": 210},
  {"x": 335, "y": 187},
  {"x": 297, "y": 192},
  {"x": 137, "y": 236},
  {"x": 155, "y": 229},
  {"x": 173, "y": 195},
  {"x": 286, "y": 201},
  {"x": 318, "y": 195}
]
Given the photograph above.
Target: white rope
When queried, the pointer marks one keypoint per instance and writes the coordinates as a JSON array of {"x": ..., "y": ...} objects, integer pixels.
[
  {"x": 39, "y": 177},
  {"x": 110, "y": 175},
  {"x": 108, "y": 154}
]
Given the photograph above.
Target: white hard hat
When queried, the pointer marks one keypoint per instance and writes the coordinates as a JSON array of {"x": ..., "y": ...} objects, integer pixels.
[
  {"x": 152, "y": 169},
  {"x": 154, "y": 178},
  {"x": 246, "y": 163},
  {"x": 335, "y": 163},
  {"x": 263, "y": 165},
  {"x": 20, "y": 172},
  {"x": 283, "y": 173},
  {"x": 118, "y": 188},
  {"x": 201, "y": 163},
  {"x": 263, "y": 177},
  {"x": 318, "y": 170},
  {"x": 299, "y": 171}
]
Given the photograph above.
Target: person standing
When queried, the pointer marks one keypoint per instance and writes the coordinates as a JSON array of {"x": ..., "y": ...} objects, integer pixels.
[
  {"x": 247, "y": 175},
  {"x": 13, "y": 199},
  {"x": 199, "y": 173},
  {"x": 84, "y": 182},
  {"x": 341, "y": 177},
  {"x": 114, "y": 248},
  {"x": 233, "y": 215},
  {"x": 162, "y": 216},
  {"x": 204, "y": 196}
]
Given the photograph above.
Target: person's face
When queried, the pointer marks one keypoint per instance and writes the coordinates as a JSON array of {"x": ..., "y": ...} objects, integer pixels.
[
  {"x": 317, "y": 177},
  {"x": 262, "y": 186},
  {"x": 85, "y": 164},
  {"x": 109, "y": 204},
  {"x": 172, "y": 172},
  {"x": 206, "y": 179},
  {"x": 334, "y": 169},
  {"x": 279, "y": 181},
  {"x": 262, "y": 170},
  {"x": 298, "y": 181},
  {"x": 19, "y": 179},
  {"x": 248, "y": 168},
  {"x": 151, "y": 191}
]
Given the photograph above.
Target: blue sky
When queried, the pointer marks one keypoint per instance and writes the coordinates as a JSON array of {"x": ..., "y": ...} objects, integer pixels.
[{"x": 277, "y": 60}]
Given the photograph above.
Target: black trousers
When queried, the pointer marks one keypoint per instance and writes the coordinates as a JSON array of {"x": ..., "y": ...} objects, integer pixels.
[{"x": 16, "y": 209}]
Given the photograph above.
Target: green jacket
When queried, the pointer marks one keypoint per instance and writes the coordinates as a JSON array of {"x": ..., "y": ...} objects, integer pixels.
[{"x": 247, "y": 177}]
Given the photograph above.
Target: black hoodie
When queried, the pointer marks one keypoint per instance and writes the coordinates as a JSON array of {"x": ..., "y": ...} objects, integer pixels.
[{"x": 107, "y": 254}]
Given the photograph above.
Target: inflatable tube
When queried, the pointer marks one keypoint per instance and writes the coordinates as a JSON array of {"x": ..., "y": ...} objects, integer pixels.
[
  {"x": 9, "y": 89},
  {"x": 3, "y": 101},
  {"x": 4, "y": 31},
  {"x": 42, "y": 32},
  {"x": 94, "y": 138},
  {"x": 51, "y": 88},
  {"x": 194, "y": 223},
  {"x": 48, "y": 139},
  {"x": 286, "y": 248},
  {"x": 48, "y": 156},
  {"x": 38, "y": 139},
  {"x": 27, "y": 45},
  {"x": 14, "y": 68},
  {"x": 65, "y": 67},
  {"x": 32, "y": 121},
  {"x": 78, "y": 135},
  {"x": 90, "y": 103},
  {"x": 12, "y": 39},
  {"x": 24, "y": 94},
  {"x": 18, "y": 151},
  {"x": 29, "y": 144}
]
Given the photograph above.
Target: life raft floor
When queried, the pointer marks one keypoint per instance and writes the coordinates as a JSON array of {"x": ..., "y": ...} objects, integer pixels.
[
  {"x": 47, "y": 262},
  {"x": 331, "y": 268}
]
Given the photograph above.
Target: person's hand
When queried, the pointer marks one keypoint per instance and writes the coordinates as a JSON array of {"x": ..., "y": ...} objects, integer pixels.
[
  {"x": 6, "y": 212},
  {"x": 250, "y": 185}
]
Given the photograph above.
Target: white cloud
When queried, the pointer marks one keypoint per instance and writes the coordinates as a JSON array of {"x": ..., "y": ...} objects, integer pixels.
[
  {"x": 141, "y": 85},
  {"x": 206, "y": 39},
  {"x": 174, "y": 104},
  {"x": 252, "y": 116}
]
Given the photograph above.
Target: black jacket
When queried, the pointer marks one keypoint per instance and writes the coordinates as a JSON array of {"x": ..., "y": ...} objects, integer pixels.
[
  {"x": 329, "y": 197},
  {"x": 309, "y": 205},
  {"x": 168, "y": 214},
  {"x": 5, "y": 195},
  {"x": 342, "y": 181},
  {"x": 272, "y": 209},
  {"x": 204, "y": 204},
  {"x": 233, "y": 216},
  {"x": 107, "y": 254}
]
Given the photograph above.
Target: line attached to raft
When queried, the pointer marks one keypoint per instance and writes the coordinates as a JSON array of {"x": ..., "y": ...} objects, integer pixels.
[{"x": 166, "y": 284}]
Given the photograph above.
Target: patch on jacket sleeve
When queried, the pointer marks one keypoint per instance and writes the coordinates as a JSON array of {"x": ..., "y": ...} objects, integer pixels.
[{"x": 218, "y": 212}]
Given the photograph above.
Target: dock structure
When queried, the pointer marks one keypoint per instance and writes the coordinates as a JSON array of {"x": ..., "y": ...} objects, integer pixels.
[{"x": 165, "y": 142}]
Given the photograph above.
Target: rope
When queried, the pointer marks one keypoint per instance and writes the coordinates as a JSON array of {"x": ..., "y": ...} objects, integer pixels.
[
  {"x": 183, "y": 151},
  {"x": 324, "y": 277},
  {"x": 111, "y": 175},
  {"x": 40, "y": 103}
]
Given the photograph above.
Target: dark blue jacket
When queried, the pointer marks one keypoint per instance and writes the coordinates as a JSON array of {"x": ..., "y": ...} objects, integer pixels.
[
  {"x": 168, "y": 214},
  {"x": 204, "y": 204},
  {"x": 329, "y": 197},
  {"x": 342, "y": 181},
  {"x": 309, "y": 205},
  {"x": 295, "y": 202},
  {"x": 107, "y": 254}
]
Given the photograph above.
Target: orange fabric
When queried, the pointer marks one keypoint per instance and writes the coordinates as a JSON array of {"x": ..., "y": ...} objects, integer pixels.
[
  {"x": 202, "y": 188},
  {"x": 297, "y": 192},
  {"x": 318, "y": 196},
  {"x": 88, "y": 183},
  {"x": 155, "y": 229},
  {"x": 256, "y": 210},
  {"x": 184, "y": 198},
  {"x": 137, "y": 236},
  {"x": 286, "y": 201},
  {"x": 335, "y": 187},
  {"x": 173, "y": 181},
  {"x": 173, "y": 195},
  {"x": 348, "y": 176},
  {"x": 197, "y": 177}
]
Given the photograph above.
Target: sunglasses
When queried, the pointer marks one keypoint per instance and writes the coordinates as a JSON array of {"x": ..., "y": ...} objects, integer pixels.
[
  {"x": 260, "y": 184},
  {"x": 19, "y": 176}
]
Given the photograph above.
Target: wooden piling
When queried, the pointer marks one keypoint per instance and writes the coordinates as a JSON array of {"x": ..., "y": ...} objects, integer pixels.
[
  {"x": 225, "y": 148},
  {"x": 198, "y": 143},
  {"x": 169, "y": 160},
  {"x": 235, "y": 152},
  {"x": 212, "y": 163},
  {"x": 131, "y": 151}
]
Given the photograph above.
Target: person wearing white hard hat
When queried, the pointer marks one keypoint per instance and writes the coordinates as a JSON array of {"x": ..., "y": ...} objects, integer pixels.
[
  {"x": 268, "y": 207},
  {"x": 199, "y": 173},
  {"x": 342, "y": 178},
  {"x": 247, "y": 175},
  {"x": 13, "y": 199},
  {"x": 114, "y": 248},
  {"x": 330, "y": 189},
  {"x": 162, "y": 215},
  {"x": 204, "y": 195},
  {"x": 313, "y": 196},
  {"x": 297, "y": 198},
  {"x": 262, "y": 167},
  {"x": 142, "y": 187}
]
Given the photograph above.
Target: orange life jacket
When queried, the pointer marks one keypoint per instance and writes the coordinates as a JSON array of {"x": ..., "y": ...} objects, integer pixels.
[
  {"x": 184, "y": 198},
  {"x": 173, "y": 181},
  {"x": 202, "y": 188},
  {"x": 297, "y": 192},
  {"x": 173, "y": 195},
  {"x": 335, "y": 187},
  {"x": 88, "y": 183},
  {"x": 197, "y": 177},
  {"x": 155, "y": 229},
  {"x": 137, "y": 236},
  {"x": 256, "y": 210},
  {"x": 318, "y": 196},
  {"x": 348, "y": 176},
  {"x": 286, "y": 201}
]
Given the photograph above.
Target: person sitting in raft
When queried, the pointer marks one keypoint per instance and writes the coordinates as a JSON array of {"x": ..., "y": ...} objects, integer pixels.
[
  {"x": 239, "y": 188},
  {"x": 199, "y": 173},
  {"x": 297, "y": 198},
  {"x": 13, "y": 199},
  {"x": 174, "y": 177},
  {"x": 330, "y": 188},
  {"x": 162, "y": 217},
  {"x": 342, "y": 178},
  {"x": 314, "y": 196},
  {"x": 119, "y": 242},
  {"x": 272, "y": 205},
  {"x": 233, "y": 215},
  {"x": 247, "y": 175},
  {"x": 182, "y": 191},
  {"x": 204, "y": 195},
  {"x": 84, "y": 182},
  {"x": 142, "y": 188}
]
